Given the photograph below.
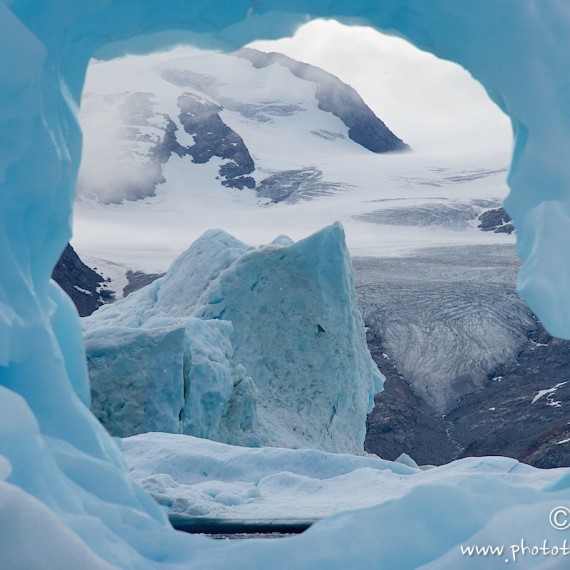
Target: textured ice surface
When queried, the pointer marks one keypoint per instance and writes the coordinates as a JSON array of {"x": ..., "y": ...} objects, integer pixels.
[
  {"x": 25, "y": 521},
  {"x": 449, "y": 327},
  {"x": 137, "y": 378},
  {"x": 196, "y": 478},
  {"x": 58, "y": 452},
  {"x": 280, "y": 357}
]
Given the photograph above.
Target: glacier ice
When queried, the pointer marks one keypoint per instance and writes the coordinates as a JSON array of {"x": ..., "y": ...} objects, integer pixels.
[
  {"x": 137, "y": 378},
  {"x": 60, "y": 455},
  {"x": 193, "y": 477},
  {"x": 248, "y": 346},
  {"x": 25, "y": 521}
]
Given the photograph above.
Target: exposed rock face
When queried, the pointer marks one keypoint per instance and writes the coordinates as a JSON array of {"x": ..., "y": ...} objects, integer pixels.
[
  {"x": 524, "y": 408},
  {"x": 338, "y": 98},
  {"x": 497, "y": 221},
  {"x": 551, "y": 448},
  {"x": 212, "y": 137},
  {"x": 137, "y": 280},
  {"x": 294, "y": 185},
  {"x": 88, "y": 290}
]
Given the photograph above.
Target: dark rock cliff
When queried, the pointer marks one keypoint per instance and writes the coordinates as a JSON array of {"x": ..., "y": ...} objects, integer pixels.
[{"x": 88, "y": 290}]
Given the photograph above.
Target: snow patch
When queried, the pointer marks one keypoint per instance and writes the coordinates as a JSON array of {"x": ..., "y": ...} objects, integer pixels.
[
  {"x": 198, "y": 478},
  {"x": 84, "y": 291},
  {"x": 549, "y": 393}
]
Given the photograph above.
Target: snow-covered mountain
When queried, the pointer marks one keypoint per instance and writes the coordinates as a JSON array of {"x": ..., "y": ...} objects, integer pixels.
[
  {"x": 88, "y": 290},
  {"x": 204, "y": 107},
  {"x": 187, "y": 140}
]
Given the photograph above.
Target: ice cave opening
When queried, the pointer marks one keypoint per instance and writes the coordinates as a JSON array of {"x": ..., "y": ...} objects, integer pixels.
[{"x": 60, "y": 468}]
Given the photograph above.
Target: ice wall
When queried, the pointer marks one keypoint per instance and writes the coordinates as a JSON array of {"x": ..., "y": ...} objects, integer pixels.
[{"x": 516, "y": 48}]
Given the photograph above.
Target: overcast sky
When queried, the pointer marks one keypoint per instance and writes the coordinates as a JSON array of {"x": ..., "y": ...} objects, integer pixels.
[{"x": 431, "y": 104}]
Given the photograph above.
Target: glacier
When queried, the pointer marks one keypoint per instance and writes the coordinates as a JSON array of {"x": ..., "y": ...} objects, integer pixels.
[
  {"x": 60, "y": 466},
  {"x": 248, "y": 346}
]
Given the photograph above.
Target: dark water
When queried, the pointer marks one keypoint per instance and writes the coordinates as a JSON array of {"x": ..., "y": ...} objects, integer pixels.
[
  {"x": 246, "y": 535},
  {"x": 225, "y": 529}
]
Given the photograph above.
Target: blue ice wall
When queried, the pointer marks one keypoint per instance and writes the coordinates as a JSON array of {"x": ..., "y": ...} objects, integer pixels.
[{"x": 518, "y": 49}]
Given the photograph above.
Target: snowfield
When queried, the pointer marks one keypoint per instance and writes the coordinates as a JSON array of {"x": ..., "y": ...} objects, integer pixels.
[{"x": 377, "y": 190}]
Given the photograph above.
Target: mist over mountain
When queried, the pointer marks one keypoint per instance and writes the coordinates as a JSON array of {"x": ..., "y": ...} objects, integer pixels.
[{"x": 202, "y": 107}]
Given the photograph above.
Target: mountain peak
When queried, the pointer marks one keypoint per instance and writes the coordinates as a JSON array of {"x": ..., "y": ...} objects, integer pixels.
[
  {"x": 336, "y": 97},
  {"x": 254, "y": 121}
]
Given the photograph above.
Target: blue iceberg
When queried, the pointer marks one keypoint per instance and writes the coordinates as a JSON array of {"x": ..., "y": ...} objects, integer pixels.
[{"x": 247, "y": 346}]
